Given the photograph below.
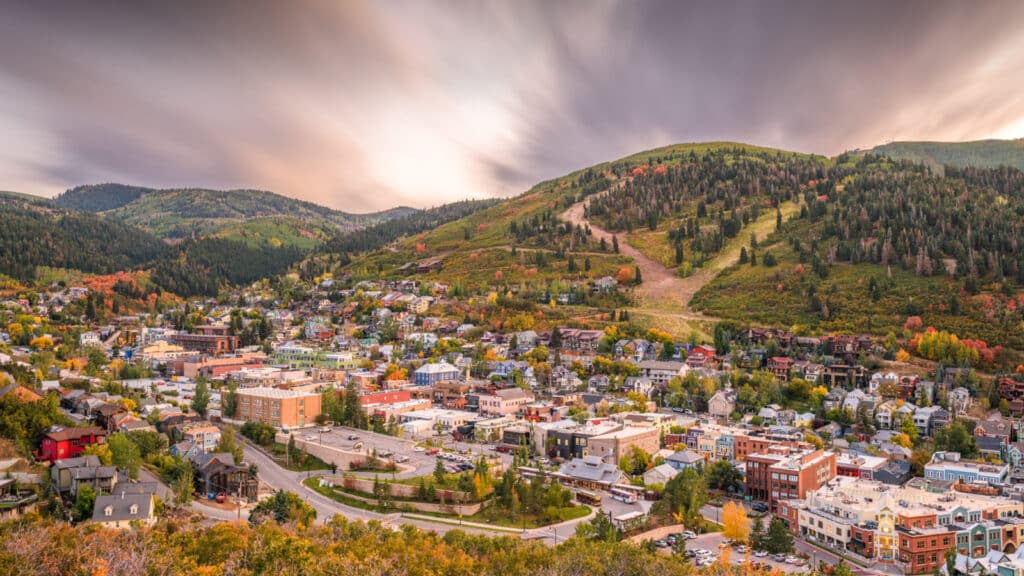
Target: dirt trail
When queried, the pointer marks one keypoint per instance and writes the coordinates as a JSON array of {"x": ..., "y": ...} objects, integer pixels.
[{"x": 661, "y": 290}]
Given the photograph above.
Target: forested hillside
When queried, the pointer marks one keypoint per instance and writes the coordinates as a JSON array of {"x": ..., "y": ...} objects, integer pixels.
[
  {"x": 35, "y": 234},
  {"x": 192, "y": 212},
  {"x": 980, "y": 153},
  {"x": 879, "y": 244},
  {"x": 205, "y": 266}
]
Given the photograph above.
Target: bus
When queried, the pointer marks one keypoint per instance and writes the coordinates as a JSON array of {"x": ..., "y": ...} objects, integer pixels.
[
  {"x": 585, "y": 497},
  {"x": 627, "y": 496}
]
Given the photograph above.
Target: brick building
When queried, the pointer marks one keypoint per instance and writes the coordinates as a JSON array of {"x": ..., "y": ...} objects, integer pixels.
[{"x": 278, "y": 407}]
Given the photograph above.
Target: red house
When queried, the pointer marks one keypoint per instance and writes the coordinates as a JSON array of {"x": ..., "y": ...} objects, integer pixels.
[{"x": 61, "y": 442}]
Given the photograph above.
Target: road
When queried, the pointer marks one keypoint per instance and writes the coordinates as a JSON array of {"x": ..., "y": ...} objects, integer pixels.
[{"x": 277, "y": 477}]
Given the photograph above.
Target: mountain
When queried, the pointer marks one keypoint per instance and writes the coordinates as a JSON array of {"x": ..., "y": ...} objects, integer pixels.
[
  {"x": 754, "y": 236},
  {"x": 255, "y": 217},
  {"x": 979, "y": 153},
  {"x": 35, "y": 233}
]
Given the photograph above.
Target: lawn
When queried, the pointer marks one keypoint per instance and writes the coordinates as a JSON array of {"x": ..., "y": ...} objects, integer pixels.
[{"x": 309, "y": 462}]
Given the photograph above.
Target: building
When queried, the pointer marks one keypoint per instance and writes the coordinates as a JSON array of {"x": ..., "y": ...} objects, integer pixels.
[
  {"x": 60, "y": 442},
  {"x": 784, "y": 473},
  {"x": 280, "y": 408},
  {"x": 1012, "y": 391},
  {"x": 504, "y": 401},
  {"x": 685, "y": 459},
  {"x": 659, "y": 372},
  {"x": 911, "y": 526},
  {"x": 208, "y": 340},
  {"x": 430, "y": 374},
  {"x": 612, "y": 446},
  {"x": 948, "y": 466},
  {"x": 660, "y": 474},
  {"x": 124, "y": 510},
  {"x": 68, "y": 474},
  {"x": 589, "y": 472},
  {"x": 304, "y": 357},
  {"x": 722, "y": 404},
  {"x": 205, "y": 437},
  {"x": 15, "y": 502},
  {"x": 857, "y": 465}
]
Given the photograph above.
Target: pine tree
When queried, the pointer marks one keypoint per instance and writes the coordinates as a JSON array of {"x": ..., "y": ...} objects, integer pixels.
[{"x": 615, "y": 244}]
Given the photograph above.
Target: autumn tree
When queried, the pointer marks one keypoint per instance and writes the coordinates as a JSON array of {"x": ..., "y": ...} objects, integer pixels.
[{"x": 735, "y": 524}]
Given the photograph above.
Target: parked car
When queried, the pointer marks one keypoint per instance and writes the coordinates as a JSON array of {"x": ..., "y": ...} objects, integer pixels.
[
  {"x": 760, "y": 553},
  {"x": 661, "y": 543},
  {"x": 689, "y": 535},
  {"x": 742, "y": 548},
  {"x": 780, "y": 557},
  {"x": 418, "y": 449},
  {"x": 432, "y": 451},
  {"x": 678, "y": 410},
  {"x": 759, "y": 507},
  {"x": 221, "y": 497},
  {"x": 791, "y": 559},
  {"x": 353, "y": 437}
]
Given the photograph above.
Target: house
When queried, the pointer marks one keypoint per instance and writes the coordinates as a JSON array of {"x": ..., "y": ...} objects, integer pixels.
[
  {"x": 660, "y": 371},
  {"x": 217, "y": 472},
  {"x": 884, "y": 414},
  {"x": 685, "y": 459},
  {"x": 124, "y": 510},
  {"x": 206, "y": 437},
  {"x": 60, "y": 442},
  {"x": 21, "y": 393},
  {"x": 995, "y": 427},
  {"x": 780, "y": 367},
  {"x": 660, "y": 474},
  {"x": 722, "y": 404},
  {"x": 15, "y": 502}
]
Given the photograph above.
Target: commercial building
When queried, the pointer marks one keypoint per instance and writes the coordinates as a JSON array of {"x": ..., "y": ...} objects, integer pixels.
[
  {"x": 304, "y": 357},
  {"x": 430, "y": 374},
  {"x": 614, "y": 445},
  {"x": 948, "y": 466},
  {"x": 278, "y": 407},
  {"x": 911, "y": 526},
  {"x": 207, "y": 339},
  {"x": 504, "y": 401},
  {"x": 784, "y": 473}
]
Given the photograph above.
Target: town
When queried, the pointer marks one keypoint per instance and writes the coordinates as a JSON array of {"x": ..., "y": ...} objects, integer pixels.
[{"x": 385, "y": 400}]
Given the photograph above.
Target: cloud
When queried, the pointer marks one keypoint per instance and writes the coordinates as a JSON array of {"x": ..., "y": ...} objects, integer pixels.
[{"x": 366, "y": 105}]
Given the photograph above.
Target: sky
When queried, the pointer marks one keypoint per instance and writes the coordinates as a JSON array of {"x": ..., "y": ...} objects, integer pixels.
[{"x": 368, "y": 105}]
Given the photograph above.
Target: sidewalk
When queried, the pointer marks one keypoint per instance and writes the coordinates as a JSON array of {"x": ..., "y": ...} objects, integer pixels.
[{"x": 450, "y": 522}]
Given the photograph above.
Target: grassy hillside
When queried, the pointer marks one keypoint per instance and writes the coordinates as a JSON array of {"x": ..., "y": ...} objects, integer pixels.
[
  {"x": 479, "y": 248},
  {"x": 979, "y": 153},
  {"x": 251, "y": 216}
]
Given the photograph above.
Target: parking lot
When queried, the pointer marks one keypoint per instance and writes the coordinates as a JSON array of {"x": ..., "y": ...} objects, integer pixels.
[
  {"x": 713, "y": 543},
  {"x": 412, "y": 461}
]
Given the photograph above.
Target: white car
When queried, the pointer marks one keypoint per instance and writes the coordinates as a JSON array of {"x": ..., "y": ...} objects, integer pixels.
[
  {"x": 760, "y": 553},
  {"x": 791, "y": 559},
  {"x": 689, "y": 535},
  {"x": 419, "y": 449}
]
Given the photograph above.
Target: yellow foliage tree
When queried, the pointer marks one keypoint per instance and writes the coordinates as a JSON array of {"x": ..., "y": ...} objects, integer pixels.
[
  {"x": 41, "y": 342},
  {"x": 902, "y": 356},
  {"x": 902, "y": 440},
  {"x": 735, "y": 524}
]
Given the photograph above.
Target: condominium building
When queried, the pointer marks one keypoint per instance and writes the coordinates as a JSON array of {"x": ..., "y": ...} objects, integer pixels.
[
  {"x": 783, "y": 473},
  {"x": 278, "y": 407}
]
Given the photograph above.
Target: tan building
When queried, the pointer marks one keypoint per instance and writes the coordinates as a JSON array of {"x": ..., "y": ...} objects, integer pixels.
[
  {"x": 614, "y": 445},
  {"x": 278, "y": 407}
]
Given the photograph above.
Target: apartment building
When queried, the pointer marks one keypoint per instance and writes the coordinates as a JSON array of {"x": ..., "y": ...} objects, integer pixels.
[
  {"x": 784, "y": 473},
  {"x": 278, "y": 407}
]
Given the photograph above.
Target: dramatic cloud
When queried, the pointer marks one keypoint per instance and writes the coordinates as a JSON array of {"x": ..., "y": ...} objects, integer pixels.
[{"x": 363, "y": 106}]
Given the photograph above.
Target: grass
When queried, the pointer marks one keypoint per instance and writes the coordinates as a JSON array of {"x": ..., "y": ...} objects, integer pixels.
[
  {"x": 484, "y": 516},
  {"x": 277, "y": 451}
]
